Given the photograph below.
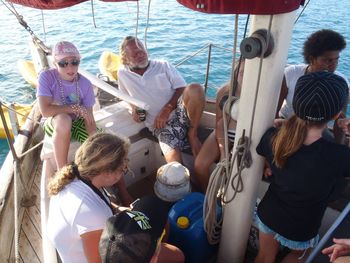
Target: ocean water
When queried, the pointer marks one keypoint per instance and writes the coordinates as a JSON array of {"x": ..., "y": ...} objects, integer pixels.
[{"x": 174, "y": 32}]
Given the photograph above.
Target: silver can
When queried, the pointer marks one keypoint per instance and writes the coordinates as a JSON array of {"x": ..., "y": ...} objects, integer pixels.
[{"x": 141, "y": 113}]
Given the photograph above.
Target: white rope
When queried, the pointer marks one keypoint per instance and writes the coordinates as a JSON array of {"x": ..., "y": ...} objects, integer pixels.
[
  {"x": 137, "y": 18},
  {"x": 44, "y": 27},
  {"x": 212, "y": 220},
  {"x": 218, "y": 178},
  {"x": 147, "y": 22}
]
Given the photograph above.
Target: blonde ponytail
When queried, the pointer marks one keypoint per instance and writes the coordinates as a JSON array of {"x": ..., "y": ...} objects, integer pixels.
[{"x": 288, "y": 140}]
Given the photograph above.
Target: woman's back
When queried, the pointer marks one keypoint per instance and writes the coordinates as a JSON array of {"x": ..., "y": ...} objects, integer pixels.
[
  {"x": 74, "y": 211},
  {"x": 299, "y": 192}
]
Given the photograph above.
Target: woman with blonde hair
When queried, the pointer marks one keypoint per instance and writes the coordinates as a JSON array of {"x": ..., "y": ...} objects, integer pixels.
[
  {"x": 307, "y": 169},
  {"x": 79, "y": 206}
]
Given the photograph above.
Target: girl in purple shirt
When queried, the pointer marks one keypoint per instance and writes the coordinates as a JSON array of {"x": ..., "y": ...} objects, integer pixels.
[{"x": 66, "y": 99}]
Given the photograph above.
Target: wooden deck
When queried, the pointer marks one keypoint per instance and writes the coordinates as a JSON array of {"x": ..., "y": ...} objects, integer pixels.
[{"x": 30, "y": 247}]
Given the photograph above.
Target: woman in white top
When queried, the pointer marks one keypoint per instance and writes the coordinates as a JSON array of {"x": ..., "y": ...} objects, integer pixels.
[
  {"x": 79, "y": 208},
  {"x": 321, "y": 52}
]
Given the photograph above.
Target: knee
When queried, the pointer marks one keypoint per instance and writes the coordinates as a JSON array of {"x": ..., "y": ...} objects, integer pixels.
[
  {"x": 63, "y": 124},
  {"x": 194, "y": 91}
]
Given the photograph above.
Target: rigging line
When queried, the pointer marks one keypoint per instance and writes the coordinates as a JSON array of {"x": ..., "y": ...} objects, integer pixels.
[
  {"x": 43, "y": 19},
  {"x": 93, "y": 13},
  {"x": 232, "y": 88},
  {"x": 147, "y": 22},
  {"x": 137, "y": 17},
  {"x": 301, "y": 12},
  {"x": 13, "y": 11},
  {"x": 258, "y": 81},
  {"x": 23, "y": 23}
]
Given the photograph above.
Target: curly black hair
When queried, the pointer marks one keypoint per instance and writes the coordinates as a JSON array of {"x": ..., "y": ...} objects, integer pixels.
[{"x": 322, "y": 41}]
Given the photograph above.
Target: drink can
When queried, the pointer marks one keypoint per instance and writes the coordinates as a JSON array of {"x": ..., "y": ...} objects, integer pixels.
[{"x": 141, "y": 113}]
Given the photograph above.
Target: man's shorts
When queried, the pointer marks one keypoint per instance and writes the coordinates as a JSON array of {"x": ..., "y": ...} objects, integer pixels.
[
  {"x": 174, "y": 134},
  {"x": 78, "y": 130}
]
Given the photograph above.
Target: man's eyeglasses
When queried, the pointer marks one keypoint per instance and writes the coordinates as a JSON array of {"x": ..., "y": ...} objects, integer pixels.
[{"x": 65, "y": 63}]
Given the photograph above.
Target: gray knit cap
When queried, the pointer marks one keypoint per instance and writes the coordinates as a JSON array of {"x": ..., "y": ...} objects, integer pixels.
[{"x": 319, "y": 96}]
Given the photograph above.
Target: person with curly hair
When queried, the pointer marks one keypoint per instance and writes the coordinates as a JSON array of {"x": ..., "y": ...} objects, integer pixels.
[
  {"x": 79, "y": 206},
  {"x": 321, "y": 53}
]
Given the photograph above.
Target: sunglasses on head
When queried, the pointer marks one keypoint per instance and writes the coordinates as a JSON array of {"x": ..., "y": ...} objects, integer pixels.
[{"x": 65, "y": 63}]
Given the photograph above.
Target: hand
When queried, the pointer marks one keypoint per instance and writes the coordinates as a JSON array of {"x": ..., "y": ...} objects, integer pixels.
[
  {"x": 340, "y": 248},
  {"x": 344, "y": 124},
  {"x": 194, "y": 142},
  {"x": 277, "y": 123},
  {"x": 88, "y": 117},
  {"x": 162, "y": 118},
  {"x": 267, "y": 170},
  {"x": 135, "y": 116},
  {"x": 78, "y": 110}
]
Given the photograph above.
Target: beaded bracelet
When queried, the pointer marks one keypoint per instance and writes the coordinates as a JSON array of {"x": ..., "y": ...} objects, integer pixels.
[{"x": 77, "y": 109}]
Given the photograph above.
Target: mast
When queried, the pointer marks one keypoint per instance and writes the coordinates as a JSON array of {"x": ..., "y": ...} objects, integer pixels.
[{"x": 238, "y": 214}]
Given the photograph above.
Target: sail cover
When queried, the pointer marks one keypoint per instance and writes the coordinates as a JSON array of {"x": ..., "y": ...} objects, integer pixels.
[
  {"x": 55, "y": 4},
  {"x": 257, "y": 7}
]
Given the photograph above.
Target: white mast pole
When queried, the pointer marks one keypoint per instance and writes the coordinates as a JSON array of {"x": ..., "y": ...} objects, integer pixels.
[{"x": 238, "y": 214}]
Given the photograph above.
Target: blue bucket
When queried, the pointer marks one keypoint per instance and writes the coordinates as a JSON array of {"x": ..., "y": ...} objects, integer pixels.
[{"x": 187, "y": 232}]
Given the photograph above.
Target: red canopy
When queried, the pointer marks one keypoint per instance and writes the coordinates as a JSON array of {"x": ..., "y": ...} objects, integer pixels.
[
  {"x": 257, "y": 7},
  {"x": 55, "y": 4}
]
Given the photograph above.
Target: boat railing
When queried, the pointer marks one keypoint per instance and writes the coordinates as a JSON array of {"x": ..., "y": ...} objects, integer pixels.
[{"x": 209, "y": 48}]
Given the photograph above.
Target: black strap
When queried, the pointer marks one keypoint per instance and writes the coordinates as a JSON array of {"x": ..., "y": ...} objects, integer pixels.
[{"x": 94, "y": 188}]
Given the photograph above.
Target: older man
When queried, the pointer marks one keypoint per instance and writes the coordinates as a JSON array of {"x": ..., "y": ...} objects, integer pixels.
[{"x": 175, "y": 109}]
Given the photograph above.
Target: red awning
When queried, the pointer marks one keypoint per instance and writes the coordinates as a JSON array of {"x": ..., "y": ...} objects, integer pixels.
[
  {"x": 55, "y": 4},
  {"x": 257, "y": 7}
]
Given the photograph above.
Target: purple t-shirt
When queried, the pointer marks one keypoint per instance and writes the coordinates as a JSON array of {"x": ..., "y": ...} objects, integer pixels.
[{"x": 49, "y": 87}]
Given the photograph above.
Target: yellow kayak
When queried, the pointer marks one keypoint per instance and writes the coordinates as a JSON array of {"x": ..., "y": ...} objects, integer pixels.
[
  {"x": 109, "y": 64},
  {"x": 28, "y": 72},
  {"x": 22, "y": 109}
]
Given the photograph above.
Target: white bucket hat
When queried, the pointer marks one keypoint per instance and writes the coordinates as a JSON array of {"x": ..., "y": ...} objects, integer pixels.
[{"x": 173, "y": 182}]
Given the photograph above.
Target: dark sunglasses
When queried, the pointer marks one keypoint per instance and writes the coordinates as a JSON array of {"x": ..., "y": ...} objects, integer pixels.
[{"x": 65, "y": 63}]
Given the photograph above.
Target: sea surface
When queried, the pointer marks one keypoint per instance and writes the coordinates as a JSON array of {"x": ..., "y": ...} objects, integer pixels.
[{"x": 173, "y": 33}]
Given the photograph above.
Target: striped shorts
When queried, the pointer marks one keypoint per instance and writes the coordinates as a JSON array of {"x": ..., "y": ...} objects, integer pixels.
[{"x": 78, "y": 130}]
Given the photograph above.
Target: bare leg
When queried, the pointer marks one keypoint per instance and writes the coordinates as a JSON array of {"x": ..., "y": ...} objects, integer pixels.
[
  {"x": 194, "y": 100},
  {"x": 61, "y": 138},
  {"x": 173, "y": 156},
  {"x": 208, "y": 154},
  {"x": 90, "y": 128},
  {"x": 123, "y": 193},
  {"x": 170, "y": 254},
  {"x": 268, "y": 248},
  {"x": 295, "y": 256}
]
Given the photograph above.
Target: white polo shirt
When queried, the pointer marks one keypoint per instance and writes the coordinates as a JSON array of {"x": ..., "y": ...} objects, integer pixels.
[{"x": 155, "y": 87}]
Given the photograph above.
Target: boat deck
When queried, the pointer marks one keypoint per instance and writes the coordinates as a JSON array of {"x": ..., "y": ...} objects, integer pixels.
[{"x": 30, "y": 248}]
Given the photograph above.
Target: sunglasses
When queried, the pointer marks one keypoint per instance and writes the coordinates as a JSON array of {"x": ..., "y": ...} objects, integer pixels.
[{"x": 65, "y": 63}]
